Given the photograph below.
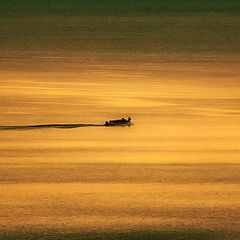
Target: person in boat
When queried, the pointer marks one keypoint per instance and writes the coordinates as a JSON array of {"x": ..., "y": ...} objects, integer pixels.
[{"x": 117, "y": 122}]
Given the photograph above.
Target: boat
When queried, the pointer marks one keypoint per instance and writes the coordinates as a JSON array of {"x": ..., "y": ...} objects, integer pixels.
[{"x": 119, "y": 122}]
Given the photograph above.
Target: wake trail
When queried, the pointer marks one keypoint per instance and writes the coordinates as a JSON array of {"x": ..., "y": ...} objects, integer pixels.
[{"x": 49, "y": 126}]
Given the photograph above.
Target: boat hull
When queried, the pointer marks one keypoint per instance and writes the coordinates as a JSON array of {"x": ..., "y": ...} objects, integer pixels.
[{"x": 118, "y": 123}]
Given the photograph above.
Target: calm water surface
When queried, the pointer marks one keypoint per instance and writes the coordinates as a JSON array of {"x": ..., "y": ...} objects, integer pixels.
[{"x": 175, "y": 169}]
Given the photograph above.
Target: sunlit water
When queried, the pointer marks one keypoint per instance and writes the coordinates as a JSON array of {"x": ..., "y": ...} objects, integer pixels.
[{"x": 176, "y": 168}]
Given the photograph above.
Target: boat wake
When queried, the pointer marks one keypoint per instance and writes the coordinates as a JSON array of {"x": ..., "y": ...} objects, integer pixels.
[
  {"x": 110, "y": 123},
  {"x": 49, "y": 126}
]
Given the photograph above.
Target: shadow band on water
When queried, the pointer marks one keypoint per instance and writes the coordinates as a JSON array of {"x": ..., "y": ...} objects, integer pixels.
[
  {"x": 134, "y": 235},
  {"x": 26, "y": 127}
]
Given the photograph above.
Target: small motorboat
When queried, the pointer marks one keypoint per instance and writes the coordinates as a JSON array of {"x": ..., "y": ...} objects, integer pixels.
[{"x": 119, "y": 122}]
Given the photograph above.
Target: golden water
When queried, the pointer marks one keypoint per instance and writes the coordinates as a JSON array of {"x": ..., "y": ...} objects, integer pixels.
[{"x": 176, "y": 168}]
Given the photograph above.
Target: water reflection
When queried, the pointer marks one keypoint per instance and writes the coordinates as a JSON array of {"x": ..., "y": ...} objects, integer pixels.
[{"x": 176, "y": 168}]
